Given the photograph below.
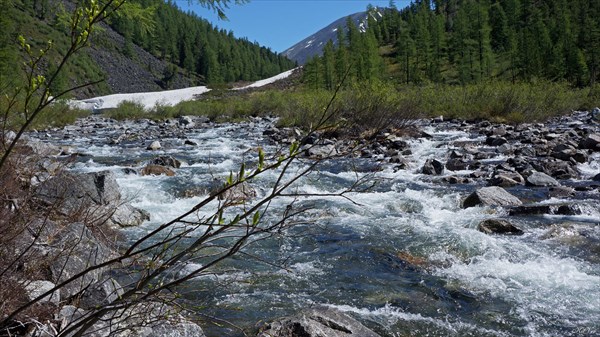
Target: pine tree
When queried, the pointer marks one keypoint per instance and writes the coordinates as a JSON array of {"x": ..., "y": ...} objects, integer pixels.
[
  {"x": 341, "y": 55},
  {"x": 7, "y": 42},
  {"x": 499, "y": 28},
  {"x": 329, "y": 66}
]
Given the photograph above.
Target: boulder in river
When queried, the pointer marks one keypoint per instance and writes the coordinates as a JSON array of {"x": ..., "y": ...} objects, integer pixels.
[
  {"x": 498, "y": 226},
  {"x": 432, "y": 167},
  {"x": 457, "y": 164},
  {"x": 157, "y": 170},
  {"x": 506, "y": 179},
  {"x": 91, "y": 196},
  {"x": 540, "y": 179},
  {"x": 491, "y": 196},
  {"x": 186, "y": 122},
  {"x": 155, "y": 145},
  {"x": 549, "y": 209},
  {"x": 321, "y": 151},
  {"x": 77, "y": 191},
  {"x": 237, "y": 194},
  {"x": 166, "y": 161},
  {"x": 74, "y": 249},
  {"x": 592, "y": 142},
  {"x": 596, "y": 177},
  {"x": 145, "y": 319},
  {"x": 317, "y": 322}
]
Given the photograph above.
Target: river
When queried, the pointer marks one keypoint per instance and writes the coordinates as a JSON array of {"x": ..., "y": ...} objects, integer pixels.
[{"x": 404, "y": 257}]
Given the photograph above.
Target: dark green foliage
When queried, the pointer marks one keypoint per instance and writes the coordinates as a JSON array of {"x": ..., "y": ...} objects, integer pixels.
[
  {"x": 356, "y": 59},
  {"x": 195, "y": 45},
  {"x": 472, "y": 41},
  {"x": 7, "y": 42}
]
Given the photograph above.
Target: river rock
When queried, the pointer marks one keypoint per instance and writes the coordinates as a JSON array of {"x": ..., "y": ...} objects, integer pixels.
[
  {"x": 75, "y": 192},
  {"x": 155, "y": 145},
  {"x": 36, "y": 288},
  {"x": 498, "y": 226},
  {"x": 456, "y": 180},
  {"x": 592, "y": 142},
  {"x": 73, "y": 250},
  {"x": 457, "y": 164},
  {"x": 91, "y": 196},
  {"x": 491, "y": 196},
  {"x": 157, "y": 170},
  {"x": 237, "y": 194},
  {"x": 557, "y": 169},
  {"x": 539, "y": 179},
  {"x": 495, "y": 140},
  {"x": 166, "y": 161},
  {"x": 125, "y": 215},
  {"x": 186, "y": 122},
  {"x": 596, "y": 177},
  {"x": 321, "y": 151},
  {"x": 569, "y": 152},
  {"x": 100, "y": 293},
  {"x": 541, "y": 209},
  {"x": 506, "y": 179},
  {"x": 146, "y": 319},
  {"x": 432, "y": 167},
  {"x": 317, "y": 322}
]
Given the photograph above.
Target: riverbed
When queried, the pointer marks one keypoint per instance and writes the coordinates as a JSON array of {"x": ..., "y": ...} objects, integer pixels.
[{"x": 405, "y": 258}]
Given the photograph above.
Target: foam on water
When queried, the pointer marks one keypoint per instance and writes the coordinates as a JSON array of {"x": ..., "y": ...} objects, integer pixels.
[
  {"x": 389, "y": 315},
  {"x": 345, "y": 253}
]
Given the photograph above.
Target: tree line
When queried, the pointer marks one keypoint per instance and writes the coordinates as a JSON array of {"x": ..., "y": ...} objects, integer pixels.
[
  {"x": 470, "y": 41},
  {"x": 195, "y": 45},
  {"x": 183, "y": 39},
  {"x": 354, "y": 58}
]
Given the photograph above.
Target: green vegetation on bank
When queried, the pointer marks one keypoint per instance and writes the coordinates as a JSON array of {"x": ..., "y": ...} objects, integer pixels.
[{"x": 375, "y": 103}]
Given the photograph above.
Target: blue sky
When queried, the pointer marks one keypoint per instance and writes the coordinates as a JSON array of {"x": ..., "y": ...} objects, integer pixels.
[{"x": 279, "y": 24}]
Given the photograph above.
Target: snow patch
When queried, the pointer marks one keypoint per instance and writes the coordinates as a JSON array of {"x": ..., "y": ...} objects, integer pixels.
[
  {"x": 270, "y": 80},
  {"x": 168, "y": 97},
  {"x": 147, "y": 99}
]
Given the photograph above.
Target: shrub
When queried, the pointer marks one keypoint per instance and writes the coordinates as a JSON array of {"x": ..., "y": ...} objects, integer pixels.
[
  {"x": 59, "y": 114},
  {"x": 127, "y": 110}
]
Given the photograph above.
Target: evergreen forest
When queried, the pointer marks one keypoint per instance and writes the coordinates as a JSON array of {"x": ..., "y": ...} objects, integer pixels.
[
  {"x": 468, "y": 42},
  {"x": 195, "y": 45}
]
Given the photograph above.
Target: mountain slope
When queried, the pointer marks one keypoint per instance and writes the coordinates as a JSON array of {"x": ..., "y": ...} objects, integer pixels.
[
  {"x": 313, "y": 45},
  {"x": 181, "y": 50}
]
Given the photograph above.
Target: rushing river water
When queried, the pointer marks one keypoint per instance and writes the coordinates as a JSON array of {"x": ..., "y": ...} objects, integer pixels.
[{"x": 404, "y": 257}]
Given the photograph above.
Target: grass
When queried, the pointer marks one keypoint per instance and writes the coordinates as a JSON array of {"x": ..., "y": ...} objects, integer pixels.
[
  {"x": 371, "y": 104},
  {"x": 362, "y": 106}
]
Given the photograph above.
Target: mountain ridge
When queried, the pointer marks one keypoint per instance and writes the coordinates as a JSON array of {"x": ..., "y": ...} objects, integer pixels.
[{"x": 313, "y": 45}]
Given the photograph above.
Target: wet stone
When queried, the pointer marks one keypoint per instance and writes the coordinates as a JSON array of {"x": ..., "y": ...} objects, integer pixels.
[
  {"x": 432, "y": 167},
  {"x": 545, "y": 209},
  {"x": 498, "y": 226},
  {"x": 491, "y": 196},
  {"x": 540, "y": 179}
]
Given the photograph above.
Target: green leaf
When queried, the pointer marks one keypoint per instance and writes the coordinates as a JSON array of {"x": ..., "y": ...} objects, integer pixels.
[
  {"x": 261, "y": 159},
  {"x": 256, "y": 218},
  {"x": 242, "y": 171},
  {"x": 294, "y": 148}
]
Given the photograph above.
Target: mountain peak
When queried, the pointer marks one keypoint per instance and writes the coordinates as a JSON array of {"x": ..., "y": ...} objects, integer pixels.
[{"x": 313, "y": 45}]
